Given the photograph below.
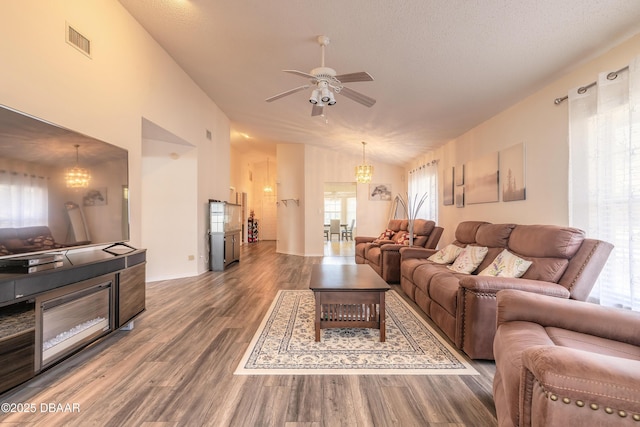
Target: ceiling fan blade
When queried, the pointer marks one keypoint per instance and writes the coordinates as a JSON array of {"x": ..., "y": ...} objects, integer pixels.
[
  {"x": 300, "y": 73},
  {"x": 357, "y": 96},
  {"x": 362, "y": 76},
  {"x": 316, "y": 110},
  {"x": 289, "y": 92}
]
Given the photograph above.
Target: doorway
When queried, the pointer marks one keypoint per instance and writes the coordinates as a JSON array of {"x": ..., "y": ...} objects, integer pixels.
[{"x": 340, "y": 204}]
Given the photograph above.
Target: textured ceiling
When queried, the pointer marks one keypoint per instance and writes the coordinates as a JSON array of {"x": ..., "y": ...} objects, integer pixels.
[
  {"x": 440, "y": 67},
  {"x": 28, "y": 139}
]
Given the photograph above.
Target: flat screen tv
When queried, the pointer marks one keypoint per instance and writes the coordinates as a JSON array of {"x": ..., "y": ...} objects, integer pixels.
[{"x": 41, "y": 208}]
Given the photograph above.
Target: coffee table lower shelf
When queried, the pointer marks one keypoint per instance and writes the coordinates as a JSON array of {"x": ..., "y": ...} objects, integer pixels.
[{"x": 350, "y": 309}]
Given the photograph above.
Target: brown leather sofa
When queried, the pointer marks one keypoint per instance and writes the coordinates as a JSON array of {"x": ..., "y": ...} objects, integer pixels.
[
  {"x": 26, "y": 239},
  {"x": 383, "y": 255},
  {"x": 565, "y": 363},
  {"x": 565, "y": 264}
]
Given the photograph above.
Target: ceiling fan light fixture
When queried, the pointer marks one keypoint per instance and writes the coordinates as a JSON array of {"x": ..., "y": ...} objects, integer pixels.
[
  {"x": 325, "y": 95},
  {"x": 332, "y": 99},
  {"x": 314, "y": 96}
]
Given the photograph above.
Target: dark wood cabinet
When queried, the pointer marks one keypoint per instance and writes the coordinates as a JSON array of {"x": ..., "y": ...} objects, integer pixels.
[
  {"x": 131, "y": 296},
  {"x": 17, "y": 353},
  {"x": 22, "y": 307}
]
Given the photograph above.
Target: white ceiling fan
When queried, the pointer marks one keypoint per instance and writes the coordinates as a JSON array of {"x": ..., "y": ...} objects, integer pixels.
[{"x": 327, "y": 83}]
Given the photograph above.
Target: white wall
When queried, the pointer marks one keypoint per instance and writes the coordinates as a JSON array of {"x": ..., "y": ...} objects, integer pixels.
[
  {"x": 128, "y": 77},
  {"x": 543, "y": 127},
  {"x": 291, "y": 216},
  {"x": 162, "y": 201}
]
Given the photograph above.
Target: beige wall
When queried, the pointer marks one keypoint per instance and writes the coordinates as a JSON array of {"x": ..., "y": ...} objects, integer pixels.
[
  {"x": 128, "y": 77},
  {"x": 542, "y": 126}
]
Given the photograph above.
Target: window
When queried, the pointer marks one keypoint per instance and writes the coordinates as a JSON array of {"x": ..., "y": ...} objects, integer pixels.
[
  {"x": 25, "y": 199},
  {"x": 424, "y": 180},
  {"x": 604, "y": 184},
  {"x": 332, "y": 209}
]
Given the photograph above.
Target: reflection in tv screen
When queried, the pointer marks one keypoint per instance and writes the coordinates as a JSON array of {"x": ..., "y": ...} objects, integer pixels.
[{"x": 59, "y": 189}]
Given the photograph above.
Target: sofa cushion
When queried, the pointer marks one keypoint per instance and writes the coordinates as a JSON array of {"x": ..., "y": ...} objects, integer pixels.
[
  {"x": 466, "y": 231},
  {"x": 443, "y": 290},
  {"x": 469, "y": 259},
  {"x": 396, "y": 225},
  {"x": 423, "y": 227},
  {"x": 446, "y": 255},
  {"x": 546, "y": 269},
  {"x": 545, "y": 241},
  {"x": 593, "y": 344},
  {"x": 373, "y": 254},
  {"x": 494, "y": 235},
  {"x": 506, "y": 264}
]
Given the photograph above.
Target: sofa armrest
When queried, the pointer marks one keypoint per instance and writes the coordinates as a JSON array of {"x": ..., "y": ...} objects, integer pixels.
[
  {"x": 492, "y": 284},
  {"x": 606, "y": 322},
  {"x": 574, "y": 387},
  {"x": 364, "y": 239},
  {"x": 476, "y": 315},
  {"x": 385, "y": 242},
  {"x": 408, "y": 252},
  {"x": 393, "y": 247}
]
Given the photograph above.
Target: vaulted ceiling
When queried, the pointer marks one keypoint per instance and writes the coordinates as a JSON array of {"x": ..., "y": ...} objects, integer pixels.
[{"x": 440, "y": 67}]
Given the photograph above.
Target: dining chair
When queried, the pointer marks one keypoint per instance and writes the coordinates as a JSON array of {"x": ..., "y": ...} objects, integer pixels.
[
  {"x": 347, "y": 233},
  {"x": 334, "y": 228}
]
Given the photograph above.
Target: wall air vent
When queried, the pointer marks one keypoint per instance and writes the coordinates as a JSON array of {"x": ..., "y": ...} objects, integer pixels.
[{"x": 77, "y": 40}]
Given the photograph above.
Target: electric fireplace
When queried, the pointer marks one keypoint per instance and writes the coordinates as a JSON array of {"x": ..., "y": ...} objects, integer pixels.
[{"x": 74, "y": 319}]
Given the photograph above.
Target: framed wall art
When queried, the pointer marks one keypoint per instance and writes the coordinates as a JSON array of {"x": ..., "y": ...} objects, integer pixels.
[{"x": 380, "y": 192}]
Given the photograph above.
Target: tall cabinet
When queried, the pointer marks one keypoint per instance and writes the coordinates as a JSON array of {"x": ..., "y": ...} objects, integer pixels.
[{"x": 225, "y": 234}]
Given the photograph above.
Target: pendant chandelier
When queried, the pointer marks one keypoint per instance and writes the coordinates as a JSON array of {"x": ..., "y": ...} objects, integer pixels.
[
  {"x": 77, "y": 177},
  {"x": 364, "y": 172},
  {"x": 268, "y": 188}
]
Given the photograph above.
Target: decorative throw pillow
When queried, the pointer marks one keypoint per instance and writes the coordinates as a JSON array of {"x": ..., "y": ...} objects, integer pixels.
[
  {"x": 399, "y": 237},
  {"x": 386, "y": 235},
  {"x": 506, "y": 264},
  {"x": 46, "y": 242},
  {"x": 469, "y": 259},
  {"x": 446, "y": 255},
  {"x": 406, "y": 239},
  {"x": 402, "y": 238}
]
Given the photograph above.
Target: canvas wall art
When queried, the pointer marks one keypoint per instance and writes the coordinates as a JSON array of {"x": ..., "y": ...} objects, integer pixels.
[
  {"x": 459, "y": 174},
  {"x": 447, "y": 182},
  {"x": 481, "y": 180},
  {"x": 459, "y": 197},
  {"x": 512, "y": 173}
]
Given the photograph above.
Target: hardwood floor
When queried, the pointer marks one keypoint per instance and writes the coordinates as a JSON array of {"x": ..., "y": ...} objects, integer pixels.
[{"x": 176, "y": 367}]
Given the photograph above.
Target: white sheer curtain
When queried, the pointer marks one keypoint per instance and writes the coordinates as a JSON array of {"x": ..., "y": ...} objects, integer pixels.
[
  {"x": 604, "y": 182},
  {"x": 25, "y": 199},
  {"x": 424, "y": 179}
]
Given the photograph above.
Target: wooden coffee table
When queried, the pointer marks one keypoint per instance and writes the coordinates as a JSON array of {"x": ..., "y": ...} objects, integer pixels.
[{"x": 348, "y": 296}]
